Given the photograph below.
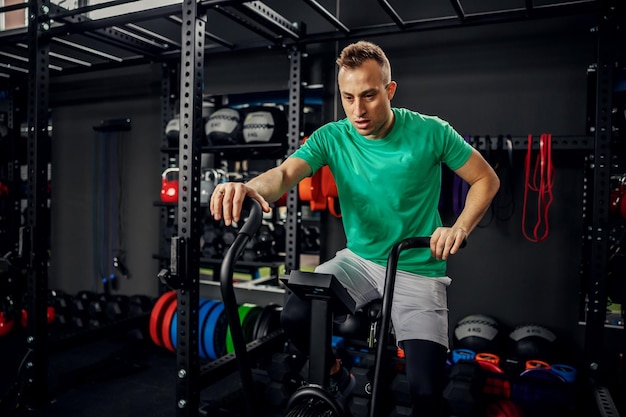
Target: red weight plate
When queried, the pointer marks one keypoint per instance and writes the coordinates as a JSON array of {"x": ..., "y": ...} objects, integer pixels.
[
  {"x": 166, "y": 323},
  {"x": 156, "y": 315}
]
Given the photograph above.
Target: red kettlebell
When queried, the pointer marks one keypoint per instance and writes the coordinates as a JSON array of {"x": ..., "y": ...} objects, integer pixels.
[
  {"x": 50, "y": 315},
  {"x": 169, "y": 187},
  {"x": 6, "y": 324}
]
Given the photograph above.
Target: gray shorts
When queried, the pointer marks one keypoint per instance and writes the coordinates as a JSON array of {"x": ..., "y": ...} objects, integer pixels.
[{"x": 420, "y": 307}]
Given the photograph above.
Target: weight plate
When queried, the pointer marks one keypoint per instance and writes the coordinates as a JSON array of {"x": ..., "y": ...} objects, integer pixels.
[
  {"x": 202, "y": 336},
  {"x": 249, "y": 322},
  {"x": 214, "y": 332},
  {"x": 203, "y": 309},
  {"x": 156, "y": 314},
  {"x": 203, "y": 317},
  {"x": 256, "y": 332},
  {"x": 244, "y": 311},
  {"x": 174, "y": 329},
  {"x": 268, "y": 321},
  {"x": 166, "y": 324}
]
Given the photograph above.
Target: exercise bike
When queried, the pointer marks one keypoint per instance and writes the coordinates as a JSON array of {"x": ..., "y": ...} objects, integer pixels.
[
  {"x": 328, "y": 297},
  {"x": 325, "y": 292}
]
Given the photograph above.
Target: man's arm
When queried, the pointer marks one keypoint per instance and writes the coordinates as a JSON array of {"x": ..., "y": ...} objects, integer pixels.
[
  {"x": 484, "y": 184},
  {"x": 227, "y": 198}
]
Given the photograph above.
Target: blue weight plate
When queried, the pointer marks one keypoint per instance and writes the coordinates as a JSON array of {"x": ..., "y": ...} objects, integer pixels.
[
  {"x": 203, "y": 317},
  {"x": 204, "y": 303},
  {"x": 214, "y": 332}
]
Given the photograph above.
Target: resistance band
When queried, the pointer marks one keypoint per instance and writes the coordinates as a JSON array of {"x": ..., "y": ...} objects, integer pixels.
[{"x": 542, "y": 182}]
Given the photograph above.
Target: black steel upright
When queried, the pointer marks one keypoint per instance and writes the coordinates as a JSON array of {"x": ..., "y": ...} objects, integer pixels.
[
  {"x": 294, "y": 118},
  {"x": 599, "y": 232},
  {"x": 35, "y": 236},
  {"x": 169, "y": 94},
  {"x": 186, "y": 246}
]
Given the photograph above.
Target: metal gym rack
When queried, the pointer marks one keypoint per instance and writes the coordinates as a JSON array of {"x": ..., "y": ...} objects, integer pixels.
[{"x": 59, "y": 40}]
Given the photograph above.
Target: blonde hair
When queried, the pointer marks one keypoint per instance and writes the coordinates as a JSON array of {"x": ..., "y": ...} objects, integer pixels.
[{"x": 353, "y": 56}]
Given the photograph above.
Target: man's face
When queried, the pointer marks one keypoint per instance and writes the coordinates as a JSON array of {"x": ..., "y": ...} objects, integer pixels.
[{"x": 366, "y": 99}]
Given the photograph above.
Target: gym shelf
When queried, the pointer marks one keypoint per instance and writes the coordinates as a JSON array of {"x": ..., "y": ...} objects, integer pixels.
[
  {"x": 520, "y": 143},
  {"x": 261, "y": 291}
]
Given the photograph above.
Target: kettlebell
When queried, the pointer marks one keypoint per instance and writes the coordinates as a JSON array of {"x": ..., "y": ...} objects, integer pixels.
[
  {"x": 6, "y": 324},
  {"x": 169, "y": 187},
  {"x": 50, "y": 315}
]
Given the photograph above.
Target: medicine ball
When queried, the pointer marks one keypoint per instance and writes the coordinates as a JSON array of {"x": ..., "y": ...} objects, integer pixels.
[
  {"x": 532, "y": 341},
  {"x": 477, "y": 332},
  {"x": 224, "y": 127},
  {"x": 265, "y": 124}
]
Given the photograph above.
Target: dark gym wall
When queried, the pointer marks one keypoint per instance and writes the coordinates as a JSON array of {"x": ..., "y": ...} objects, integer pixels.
[
  {"x": 521, "y": 78},
  {"x": 79, "y": 104}
]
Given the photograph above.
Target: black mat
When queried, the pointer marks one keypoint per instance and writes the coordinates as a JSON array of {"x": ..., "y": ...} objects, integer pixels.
[{"x": 122, "y": 376}]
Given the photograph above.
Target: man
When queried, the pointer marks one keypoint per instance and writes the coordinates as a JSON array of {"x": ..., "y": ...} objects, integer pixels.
[{"x": 387, "y": 165}]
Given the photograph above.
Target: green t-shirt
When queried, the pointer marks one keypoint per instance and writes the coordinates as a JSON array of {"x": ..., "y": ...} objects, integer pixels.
[{"x": 389, "y": 188}]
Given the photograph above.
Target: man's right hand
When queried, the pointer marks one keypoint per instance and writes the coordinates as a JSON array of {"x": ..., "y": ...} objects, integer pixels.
[{"x": 227, "y": 200}]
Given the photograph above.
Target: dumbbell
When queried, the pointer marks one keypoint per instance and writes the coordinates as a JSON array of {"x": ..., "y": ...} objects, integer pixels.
[
  {"x": 139, "y": 305},
  {"x": 310, "y": 238},
  {"x": 401, "y": 411},
  {"x": 50, "y": 316},
  {"x": 277, "y": 393},
  {"x": 79, "y": 308},
  {"x": 62, "y": 306},
  {"x": 283, "y": 365},
  {"x": 363, "y": 386},
  {"x": 279, "y": 233},
  {"x": 117, "y": 307},
  {"x": 264, "y": 247},
  {"x": 106, "y": 308},
  {"x": 400, "y": 389},
  {"x": 464, "y": 389},
  {"x": 359, "y": 406},
  {"x": 283, "y": 372}
]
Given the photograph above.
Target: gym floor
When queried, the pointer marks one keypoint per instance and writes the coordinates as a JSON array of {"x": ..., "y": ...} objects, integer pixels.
[
  {"x": 120, "y": 376},
  {"x": 107, "y": 377}
]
